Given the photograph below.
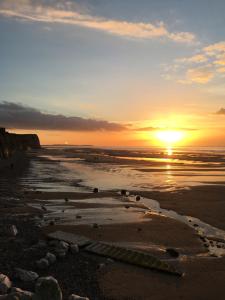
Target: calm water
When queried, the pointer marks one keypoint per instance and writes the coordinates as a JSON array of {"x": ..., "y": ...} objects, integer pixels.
[{"x": 80, "y": 169}]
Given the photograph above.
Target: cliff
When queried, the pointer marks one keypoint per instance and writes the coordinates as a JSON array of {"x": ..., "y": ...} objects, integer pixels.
[{"x": 11, "y": 144}]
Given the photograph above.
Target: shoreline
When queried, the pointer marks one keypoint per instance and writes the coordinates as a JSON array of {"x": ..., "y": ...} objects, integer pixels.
[{"x": 153, "y": 234}]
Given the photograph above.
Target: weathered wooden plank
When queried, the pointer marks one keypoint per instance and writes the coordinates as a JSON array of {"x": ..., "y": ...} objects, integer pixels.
[{"x": 134, "y": 257}]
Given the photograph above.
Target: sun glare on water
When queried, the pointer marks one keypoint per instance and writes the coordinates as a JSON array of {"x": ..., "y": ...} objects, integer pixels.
[{"x": 169, "y": 138}]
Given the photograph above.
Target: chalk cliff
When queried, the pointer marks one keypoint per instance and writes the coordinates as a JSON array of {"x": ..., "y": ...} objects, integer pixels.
[{"x": 11, "y": 143}]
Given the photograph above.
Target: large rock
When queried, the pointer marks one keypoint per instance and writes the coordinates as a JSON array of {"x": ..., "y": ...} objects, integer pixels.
[
  {"x": 47, "y": 288},
  {"x": 5, "y": 284},
  {"x": 25, "y": 275}
]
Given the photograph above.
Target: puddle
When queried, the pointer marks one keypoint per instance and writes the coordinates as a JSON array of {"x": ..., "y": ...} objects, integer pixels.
[{"x": 213, "y": 238}]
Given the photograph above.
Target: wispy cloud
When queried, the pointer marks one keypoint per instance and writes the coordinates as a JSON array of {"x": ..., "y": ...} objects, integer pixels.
[
  {"x": 18, "y": 116},
  {"x": 69, "y": 13},
  {"x": 202, "y": 67}
]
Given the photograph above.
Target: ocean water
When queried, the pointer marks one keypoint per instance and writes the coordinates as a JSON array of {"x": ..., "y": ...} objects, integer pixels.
[{"x": 83, "y": 168}]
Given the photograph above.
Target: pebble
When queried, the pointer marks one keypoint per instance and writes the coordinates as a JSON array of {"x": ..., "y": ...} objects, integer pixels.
[
  {"x": 172, "y": 252},
  {"x": 50, "y": 257},
  {"x": 95, "y": 190},
  {"x": 5, "y": 284},
  {"x": 25, "y": 275},
  {"x": 74, "y": 248},
  {"x": 138, "y": 198},
  {"x": 42, "y": 263}
]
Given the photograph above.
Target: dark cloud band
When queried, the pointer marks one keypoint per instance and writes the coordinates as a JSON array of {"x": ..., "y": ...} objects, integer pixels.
[{"x": 18, "y": 116}]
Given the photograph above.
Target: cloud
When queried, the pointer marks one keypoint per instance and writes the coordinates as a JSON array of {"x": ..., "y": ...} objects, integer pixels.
[
  {"x": 69, "y": 13},
  {"x": 162, "y": 128},
  {"x": 221, "y": 111},
  {"x": 199, "y": 75},
  {"x": 201, "y": 68},
  {"x": 18, "y": 116}
]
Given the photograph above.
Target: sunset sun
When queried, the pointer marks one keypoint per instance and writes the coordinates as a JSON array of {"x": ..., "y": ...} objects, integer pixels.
[{"x": 169, "y": 137}]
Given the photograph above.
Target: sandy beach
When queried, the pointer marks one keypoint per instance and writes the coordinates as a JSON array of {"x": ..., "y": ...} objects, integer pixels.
[{"x": 122, "y": 221}]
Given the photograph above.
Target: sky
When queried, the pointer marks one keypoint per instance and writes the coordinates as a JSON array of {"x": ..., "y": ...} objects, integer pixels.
[{"x": 115, "y": 72}]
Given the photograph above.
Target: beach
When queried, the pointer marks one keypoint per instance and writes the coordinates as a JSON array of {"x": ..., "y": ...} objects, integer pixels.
[{"x": 182, "y": 217}]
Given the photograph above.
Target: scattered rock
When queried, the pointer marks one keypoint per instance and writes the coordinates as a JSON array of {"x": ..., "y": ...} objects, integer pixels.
[
  {"x": 5, "y": 284},
  {"x": 60, "y": 253},
  {"x": 101, "y": 266},
  {"x": 47, "y": 288},
  {"x": 50, "y": 257},
  {"x": 95, "y": 190},
  {"x": 42, "y": 263},
  {"x": 123, "y": 192},
  {"x": 66, "y": 199},
  {"x": 109, "y": 261},
  {"x": 172, "y": 252},
  {"x": 25, "y": 275},
  {"x": 41, "y": 244},
  {"x": 139, "y": 229},
  {"x": 138, "y": 198},
  {"x": 95, "y": 225},
  {"x": 52, "y": 223},
  {"x": 74, "y": 248},
  {"x": 21, "y": 294},
  {"x": 12, "y": 231},
  {"x": 63, "y": 245},
  {"x": 127, "y": 206},
  {"x": 76, "y": 297},
  {"x": 78, "y": 216}
]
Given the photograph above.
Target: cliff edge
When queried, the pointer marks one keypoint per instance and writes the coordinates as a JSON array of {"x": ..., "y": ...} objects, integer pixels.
[{"x": 11, "y": 143}]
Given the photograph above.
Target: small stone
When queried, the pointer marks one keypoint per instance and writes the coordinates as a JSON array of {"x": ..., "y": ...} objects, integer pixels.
[
  {"x": 60, "y": 253},
  {"x": 9, "y": 297},
  {"x": 101, "y": 266},
  {"x": 76, "y": 297},
  {"x": 42, "y": 263},
  {"x": 172, "y": 252},
  {"x": 195, "y": 225},
  {"x": 41, "y": 244},
  {"x": 123, "y": 192},
  {"x": 78, "y": 217},
  {"x": 50, "y": 257},
  {"x": 47, "y": 288},
  {"x": 95, "y": 225},
  {"x": 25, "y": 275},
  {"x": 66, "y": 199},
  {"x": 138, "y": 198},
  {"x": 127, "y": 206},
  {"x": 63, "y": 245},
  {"x": 5, "y": 284},
  {"x": 12, "y": 230},
  {"x": 95, "y": 190},
  {"x": 74, "y": 248},
  {"x": 21, "y": 294},
  {"x": 139, "y": 229},
  {"x": 52, "y": 223},
  {"x": 109, "y": 260}
]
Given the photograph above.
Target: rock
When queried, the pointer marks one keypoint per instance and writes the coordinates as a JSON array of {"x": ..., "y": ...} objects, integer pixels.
[
  {"x": 25, "y": 275},
  {"x": 127, "y": 206},
  {"x": 101, "y": 266},
  {"x": 21, "y": 294},
  {"x": 60, "y": 253},
  {"x": 74, "y": 248},
  {"x": 76, "y": 297},
  {"x": 95, "y": 225},
  {"x": 50, "y": 257},
  {"x": 138, "y": 198},
  {"x": 123, "y": 192},
  {"x": 172, "y": 252},
  {"x": 109, "y": 261},
  {"x": 66, "y": 199},
  {"x": 52, "y": 223},
  {"x": 78, "y": 217},
  {"x": 42, "y": 263},
  {"x": 63, "y": 245},
  {"x": 12, "y": 231},
  {"x": 95, "y": 190},
  {"x": 47, "y": 288},
  {"x": 5, "y": 284}
]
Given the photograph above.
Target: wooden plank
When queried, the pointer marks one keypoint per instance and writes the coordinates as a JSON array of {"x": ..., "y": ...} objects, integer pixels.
[
  {"x": 134, "y": 257},
  {"x": 71, "y": 238}
]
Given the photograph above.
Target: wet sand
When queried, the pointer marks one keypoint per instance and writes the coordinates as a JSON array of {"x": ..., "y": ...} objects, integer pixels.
[{"x": 204, "y": 275}]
